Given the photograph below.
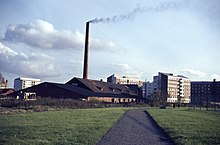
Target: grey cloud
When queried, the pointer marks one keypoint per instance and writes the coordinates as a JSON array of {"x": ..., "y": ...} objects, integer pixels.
[
  {"x": 37, "y": 65},
  {"x": 41, "y": 34},
  {"x": 215, "y": 76}
]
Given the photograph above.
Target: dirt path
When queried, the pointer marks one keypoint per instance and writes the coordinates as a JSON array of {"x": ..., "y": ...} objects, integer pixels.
[{"x": 136, "y": 127}]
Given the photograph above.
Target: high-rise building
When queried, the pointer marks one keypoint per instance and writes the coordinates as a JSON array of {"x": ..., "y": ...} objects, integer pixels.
[
  {"x": 172, "y": 89},
  {"x": 147, "y": 89},
  {"x": 22, "y": 83}
]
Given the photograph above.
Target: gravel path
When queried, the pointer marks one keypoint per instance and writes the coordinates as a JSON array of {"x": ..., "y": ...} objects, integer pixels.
[{"x": 136, "y": 127}]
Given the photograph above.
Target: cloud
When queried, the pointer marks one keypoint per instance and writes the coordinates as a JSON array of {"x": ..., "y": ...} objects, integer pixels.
[
  {"x": 42, "y": 34},
  {"x": 126, "y": 69},
  {"x": 36, "y": 65},
  {"x": 193, "y": 73},
  {"x": 215, "y": 76},
  {"x": 121, "y": 66}
]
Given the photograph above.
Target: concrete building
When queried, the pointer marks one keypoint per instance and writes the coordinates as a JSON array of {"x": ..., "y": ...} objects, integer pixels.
[
  {"x": 22, "y": 83},
  {"x": 172, "y": 89},
  {"x": 205, "y": 93},
  {"x": 155, "y": 83},
  {"x": 148, "y": 89},
  {"x": 125, "y": 79},
  {"x": 3, "y": 82}
]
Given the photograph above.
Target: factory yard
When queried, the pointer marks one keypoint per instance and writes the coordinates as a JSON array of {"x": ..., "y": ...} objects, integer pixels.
[{"x": 89, "y": 127}]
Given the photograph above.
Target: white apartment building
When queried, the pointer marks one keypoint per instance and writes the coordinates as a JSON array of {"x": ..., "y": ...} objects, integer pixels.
[
  {"x": 176, "y": 89},
  {"x": 125, "y": 79},
  {"x": 22, "y": 83}
]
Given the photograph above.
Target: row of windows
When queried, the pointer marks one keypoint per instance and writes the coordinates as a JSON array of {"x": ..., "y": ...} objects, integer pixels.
[
  {"x": 173, "y": 97},
  {"x": 200, "y": 88},
  {"x": 172, "y": 101},
  {"x": 200, "y": 85}
]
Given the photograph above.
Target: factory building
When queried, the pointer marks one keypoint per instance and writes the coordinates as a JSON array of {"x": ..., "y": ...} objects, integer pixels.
[{"x": 79, "y": 89}]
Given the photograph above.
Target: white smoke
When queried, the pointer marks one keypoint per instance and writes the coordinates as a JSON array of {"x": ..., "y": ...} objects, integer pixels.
[
  {"x": 118, "y": 18},
  {"x": 164, "y": 6}
]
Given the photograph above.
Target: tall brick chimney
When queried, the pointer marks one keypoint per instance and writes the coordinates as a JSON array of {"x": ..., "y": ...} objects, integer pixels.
[{"x": 85, "y": 68}]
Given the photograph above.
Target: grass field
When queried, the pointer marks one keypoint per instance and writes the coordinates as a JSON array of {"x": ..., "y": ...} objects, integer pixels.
[
  {"x": 189, "y": 127},
  {"x": 69, "y": 126}
]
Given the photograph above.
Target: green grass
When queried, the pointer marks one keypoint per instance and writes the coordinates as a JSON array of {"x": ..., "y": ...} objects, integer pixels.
[
  {"x": 68, "y": 126},
  {"x": 189, "y": 127}
]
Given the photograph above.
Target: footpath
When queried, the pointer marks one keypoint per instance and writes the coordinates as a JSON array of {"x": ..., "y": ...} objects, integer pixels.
[{"x": 136, "y": 127}]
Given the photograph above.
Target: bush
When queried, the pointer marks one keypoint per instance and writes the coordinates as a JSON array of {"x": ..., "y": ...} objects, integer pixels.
[
  {"x": 55, "y": 103},
  {"x": 45, "y": 104}
]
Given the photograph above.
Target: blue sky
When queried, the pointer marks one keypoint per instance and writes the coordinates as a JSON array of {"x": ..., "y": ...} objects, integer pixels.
[{"x": 45, "y": 38}]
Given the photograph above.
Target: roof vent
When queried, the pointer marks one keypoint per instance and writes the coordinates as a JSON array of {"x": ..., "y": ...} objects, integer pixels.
[
  {"x": 100, "y": 88},
  {"x": 74, "y": 84}
]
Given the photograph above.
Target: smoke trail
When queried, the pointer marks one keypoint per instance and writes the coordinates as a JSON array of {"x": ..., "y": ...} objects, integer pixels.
[
  {"x": 118, "y": 18},
  {"x": 164, "y": 6}
]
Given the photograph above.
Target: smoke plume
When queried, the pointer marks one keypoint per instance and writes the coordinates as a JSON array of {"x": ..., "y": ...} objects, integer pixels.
[
  {"x": 164, "y": 6},
  {"x": 118, "y": 18}
]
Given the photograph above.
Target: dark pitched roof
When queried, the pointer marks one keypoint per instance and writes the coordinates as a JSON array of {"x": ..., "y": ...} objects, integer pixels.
[
  {"x": 74, "y": 89},
  {"x": 85, "y": 87},
  {"x": 68, "y": 87},
  {"x": 6, "y": 91},
  {"x": 101, "y": 88}
]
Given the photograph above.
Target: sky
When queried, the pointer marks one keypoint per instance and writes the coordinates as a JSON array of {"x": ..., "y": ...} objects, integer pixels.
[{"x": 45, "y": 38}]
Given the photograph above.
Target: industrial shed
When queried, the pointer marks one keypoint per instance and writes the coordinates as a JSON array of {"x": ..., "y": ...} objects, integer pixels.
[{"x": 79, "y": 89}]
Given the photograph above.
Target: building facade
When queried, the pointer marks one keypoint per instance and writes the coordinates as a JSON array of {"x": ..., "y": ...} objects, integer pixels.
[
  {"x": 148, "y": 89},
  {"x": 125, "y": 80},
  {"x": 22, "y": 83},
  {"x": 172, "y": 89},
  {"x": 205, "y": 93},
  {"x": 3, "y": 82}
]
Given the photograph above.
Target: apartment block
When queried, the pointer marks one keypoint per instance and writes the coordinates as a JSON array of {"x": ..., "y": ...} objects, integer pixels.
[
  {"x": 147, "y": 89},
  {"x": 173, "y": 89},
  {"x": 22, "y": 83}
]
